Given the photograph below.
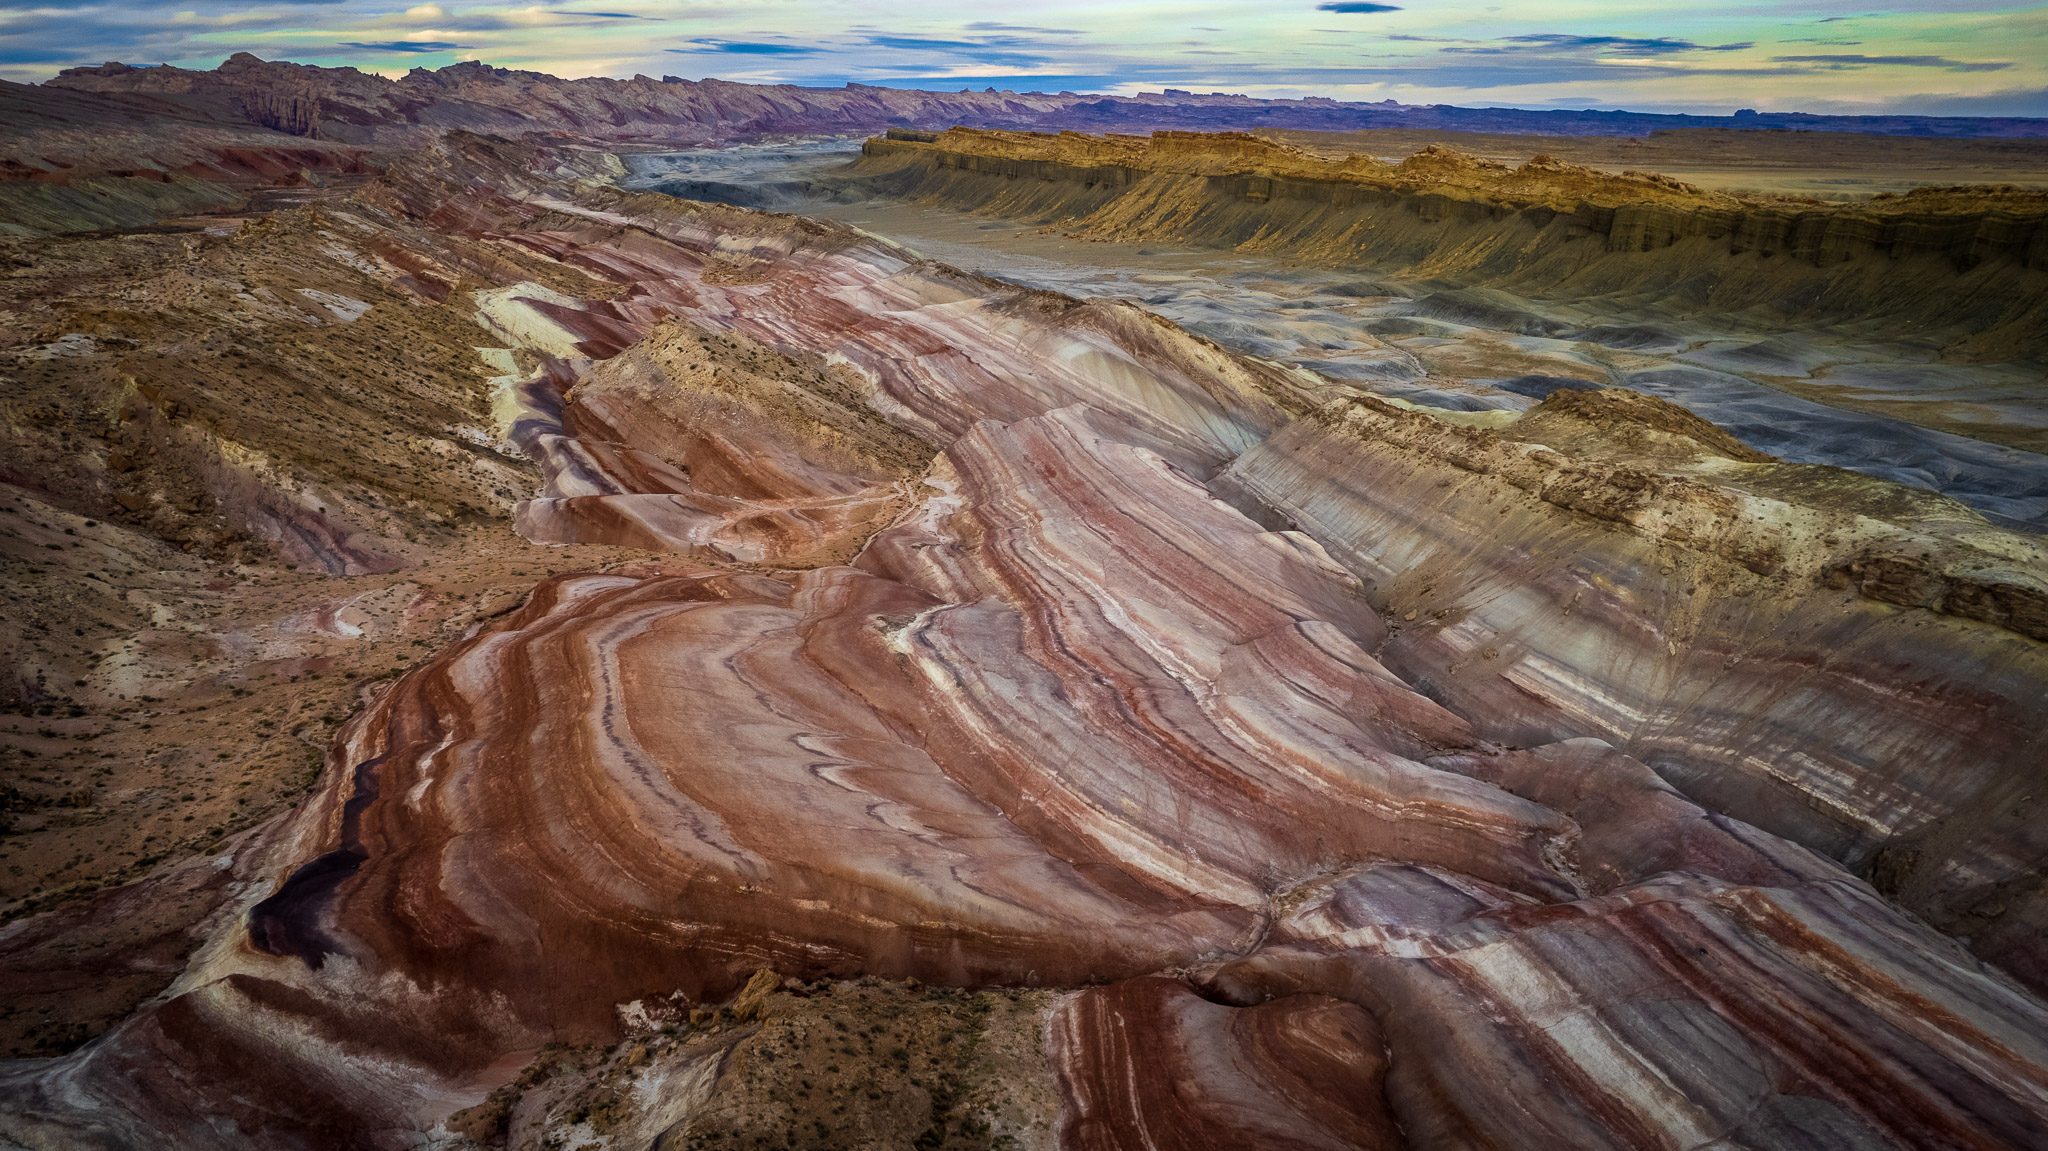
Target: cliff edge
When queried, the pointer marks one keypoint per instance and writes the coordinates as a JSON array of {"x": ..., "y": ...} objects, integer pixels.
[{"x": 1963, "y": 269}]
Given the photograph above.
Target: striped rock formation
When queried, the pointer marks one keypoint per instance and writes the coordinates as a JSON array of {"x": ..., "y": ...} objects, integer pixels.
[{"x": 961, "y": 668}]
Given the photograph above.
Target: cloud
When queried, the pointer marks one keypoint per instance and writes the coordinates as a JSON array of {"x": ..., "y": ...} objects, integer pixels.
[
  {"x": 1440, "y": 75},
  {"x": 1559, "y": 42},
  {"x": 2009, "y": 102},
  {"x": 36, "y": 56},
  {"x": 746, "y": 48},
  {"x": 988, "y": 51},
  {"x": 64, "y": 38},
  {"x": 1013, "y": 83},
  {"x": 1351, "y": 8},
  {"x": 915, "y": 43},
  {"x": 408, "y": 46},
  {"x": 513, "y": 20},
  {"x": 1849, "y": 60},
  {"x": 986, "y": 26}
]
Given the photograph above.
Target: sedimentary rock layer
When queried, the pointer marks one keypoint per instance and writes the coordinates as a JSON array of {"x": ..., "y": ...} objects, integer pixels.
[
  {"x": 1967, "y": 266},
  {"x": 1546, "y": 596},
  {"x": 816, "y": 372},
  {"x": 1149, "y": 1063},
  {"x": 1671, "y": 586},
  {"x": 1054, "y": 712},
  {"x": 1718, "y": 1015},
  {"x": 74, "y": 161},
  {"x": 843, "y": 771}
]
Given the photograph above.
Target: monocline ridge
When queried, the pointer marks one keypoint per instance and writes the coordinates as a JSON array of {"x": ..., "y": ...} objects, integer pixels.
[{"x": 1962, "y": 269}]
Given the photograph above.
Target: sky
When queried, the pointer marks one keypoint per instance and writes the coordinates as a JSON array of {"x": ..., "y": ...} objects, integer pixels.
[{"x": 1938, "y": 57}]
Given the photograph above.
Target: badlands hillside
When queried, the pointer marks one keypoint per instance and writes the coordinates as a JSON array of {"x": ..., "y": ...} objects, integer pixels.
[{"x": 501, "y": 656}]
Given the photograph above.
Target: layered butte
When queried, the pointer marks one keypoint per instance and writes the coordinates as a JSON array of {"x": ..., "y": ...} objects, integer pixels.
[{"x": 1356, "y": 777}]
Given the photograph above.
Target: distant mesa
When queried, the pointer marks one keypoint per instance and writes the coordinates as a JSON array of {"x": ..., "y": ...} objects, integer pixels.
[{"x": 1977, "y": 253}]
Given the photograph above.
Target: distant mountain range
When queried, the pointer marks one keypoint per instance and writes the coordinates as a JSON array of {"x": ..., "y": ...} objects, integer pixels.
[{"x": 344, "y": 105}]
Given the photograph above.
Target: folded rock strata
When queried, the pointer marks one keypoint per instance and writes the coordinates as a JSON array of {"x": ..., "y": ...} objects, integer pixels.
[
  {"x": 1149, "y": 1063},
  {"x": 1699, "y": 1000},
  {"x": 1729, "y": 639},
  {"x": 1060, "y": 716},
  {"x": 1778, "y": 641},
  {"x": 834, "y": 363},
  {"x": 716, "y": 445}
]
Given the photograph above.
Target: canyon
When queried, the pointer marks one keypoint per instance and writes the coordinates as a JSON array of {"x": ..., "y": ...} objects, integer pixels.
[{"x": 1057, "y": 641}]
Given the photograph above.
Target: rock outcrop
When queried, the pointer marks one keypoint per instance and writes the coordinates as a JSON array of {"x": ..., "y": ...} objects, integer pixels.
[
  {"x": 78, "y": 161},
  {"x": 993, "y": 639},
  {"x": 1663, "y": 600},
  {"x": 1965, "y": 269}
]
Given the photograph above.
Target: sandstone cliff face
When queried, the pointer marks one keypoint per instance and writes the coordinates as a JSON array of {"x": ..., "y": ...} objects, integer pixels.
[
  {"x": 1964, "y": 269},
  {"x": 991, "y": 638}
]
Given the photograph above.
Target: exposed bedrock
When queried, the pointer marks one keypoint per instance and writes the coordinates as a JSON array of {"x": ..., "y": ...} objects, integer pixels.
[
  {"x": 842, "y": 771},
  {"x": 1847, "y": 662},
  {"x": 1149, "y": 1063},
  {"x": 1803, "y": 648},
  {"x": 1967, "y": 269},
  {"x": 786, "y": 378},
  {"x": 1072, "y": 720},
  {"x": 1052, "y": 713},
  {"x": 711, "y": 444},
  {"x": 73, "y": 161},
  {"x": 1707, "y": 1005}
]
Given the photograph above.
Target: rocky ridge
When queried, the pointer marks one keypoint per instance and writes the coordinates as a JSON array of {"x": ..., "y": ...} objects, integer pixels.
[
  {"x": 74, "y": 161},
  {"x": 1639, "y": 240},
  {"x": 349, "y": 105}
]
